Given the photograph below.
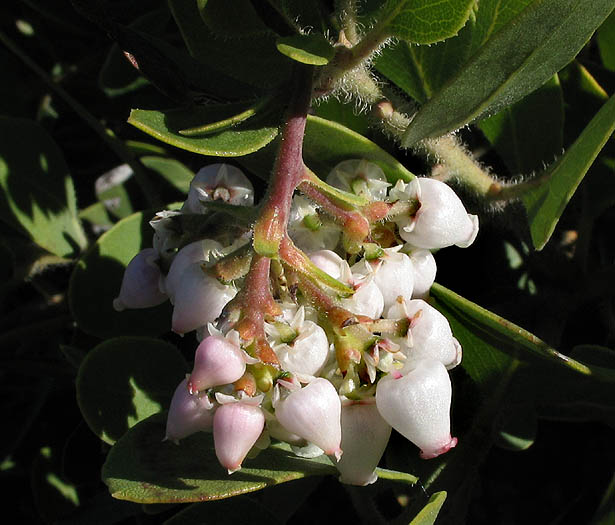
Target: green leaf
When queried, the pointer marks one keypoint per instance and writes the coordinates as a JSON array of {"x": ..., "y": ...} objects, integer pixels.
[
  {"x": 125, "y": 380},
  {"x": 115, "y": 189},
  {"x": 231, "y": 19},
  {"x": 528, "y": 134},
  {"x": 97, "y": 277},
  {"x": 546, "y": 202},
  {"x": 519, "y": 58},
  {"x": 143, "y": 468},
  {"x": 171, "y": 170},
  {"x": 606, "y": 42},
  {"x": 225, "y": 511},
  {"x": 472, "y": 322},
  {"x": 240, "y": 140},
  {"x": 254, "y": 61},
  {"x": 344, "y": 114},
  {"x": 423, "y": 21},
  {"x": 313, "y": 49},
  {"x": 421, "y": 71},
  {"x": 97, "y": 216},
  {"x": 430, "y": 512},
  {"x": 320, "y": 134},
  {"x": 37, "y": 196}
]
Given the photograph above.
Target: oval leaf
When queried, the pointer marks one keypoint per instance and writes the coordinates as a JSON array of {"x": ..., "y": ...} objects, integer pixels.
[
  {"x": 125, "y": 380},
  {"x": 166, "y": 126},
  {"x": 97, "y": 277},
  {"x": 143, "y": 468},
  {"x": 171, "y": 170},
  {"x": 313, "y": 49},
  {"x": 423, "y": 21},
  {"x": 546, "y": 202},
  {"x": 519, "y": 58},
  {"x": 37, "y": 196}
]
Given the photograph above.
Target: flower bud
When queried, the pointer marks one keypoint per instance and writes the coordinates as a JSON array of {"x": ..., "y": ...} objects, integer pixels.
[
  {"x": 218, "y": 182},
  {"x": 314, "y": 412},
  {"x": 199, "y": 299},
  {"x": 237, "y": 427},
  {"x": 429, "y": 335},
  {"x": 441, "y": 219},
  {"x": 360, "y": 177},
  {"x": 424, "y": 266},
  {"x": 328, "y": 261},
  {"x": 199, "y": 251},
  {"x": 417, "y": 405},
  {"x": 217, "y": 361},
  {"x": 188, "y": 413},
  {"x": 364, "y": 437},
  {"x": 140, "y": 283}
]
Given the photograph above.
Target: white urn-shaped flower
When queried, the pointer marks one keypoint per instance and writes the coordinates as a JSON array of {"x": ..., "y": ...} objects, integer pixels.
[
  {"x": 424, "y": 267},
  {"x": 394, "y": 276},
  {"x": 441, "y": 219},
  {"x": 313, "y": 412},
  {"x": 418, "y": 404},
  {"x": 365, "y": 435},
  {"x": 140, "y": 284},
  {"x": 361, "y": 177}
]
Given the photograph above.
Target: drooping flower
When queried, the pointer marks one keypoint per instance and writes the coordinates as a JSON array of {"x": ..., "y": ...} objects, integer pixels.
[
  {"x": 199, "y": 299},
  {"x": 308, "y": 229},
  {"x": 418, "y": 404},
  {"x": 237, "y": 427},
  {"x": 188, "y": 413},
  {"x": 140, "y": 284},
  {"x": 361, "y": 177},
  {"x": 328, "y": 261},
  {"x": 217, "y": 361},
  {"x": 313, "y": 412},
  {"x": 365, "y": 435},
  {"x": 441, "y": 219},
  {"x": 424, "y": 266},
  {"x": 429, "y": 335},
  {"x": 218, "y": 182},
  {"x": 367, "y": 298}
]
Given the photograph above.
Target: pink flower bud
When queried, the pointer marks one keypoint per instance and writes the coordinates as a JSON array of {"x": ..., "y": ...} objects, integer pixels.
[
  {"x": 199, "y": 299},
  {"x": 441, "y": 219},
  {"x": 429, "y": 335},
  {"x": 217, "y": 361},
  {"x": 237, "y": 426},
  {"x": 364, "y": 437},
  {"x": 417, "y": 405},
  {"x": 314, "y": 412},
  {"x": 199, "y": 251},
  {"x": 188, "y": 413},
  {"x": 218, "y": 182},
  {"x": 140, "y": 283}
]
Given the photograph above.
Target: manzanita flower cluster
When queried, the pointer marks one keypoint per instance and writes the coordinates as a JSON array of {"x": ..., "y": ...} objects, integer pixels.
[{"x": 327, "y": 347}]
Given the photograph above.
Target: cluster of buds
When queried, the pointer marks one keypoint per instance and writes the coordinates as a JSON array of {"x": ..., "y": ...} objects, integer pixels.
[{"x": 336, "y": 344}]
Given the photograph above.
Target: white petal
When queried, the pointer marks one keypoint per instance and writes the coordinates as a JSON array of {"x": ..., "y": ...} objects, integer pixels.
[{"x": 140, "y": 284}]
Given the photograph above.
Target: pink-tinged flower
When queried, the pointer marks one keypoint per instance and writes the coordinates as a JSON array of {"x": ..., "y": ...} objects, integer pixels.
[
  {"x": 217, "y": 361},
  {"x": 237, "y": 427},
  {"x": 188, "y": 413},
  {"x": 140, "y": 284},
  {"x": 441, "y": 219},
  {"x": 218, "y": 182},
  {"x": 314, "y": 412},
  {"x": 364, "y": 437},
  {"x": 328, "y": 261},
  {"x": 199, "y": 299},
  {"x": 418, "y": 404},
  {"x": 361, "y": 177},
  {"x": 429, "y": 335},
  {"x": 203, "y": 251},
  {"x": 424, "y": 266},
  {"x": 394, "y": 275}
]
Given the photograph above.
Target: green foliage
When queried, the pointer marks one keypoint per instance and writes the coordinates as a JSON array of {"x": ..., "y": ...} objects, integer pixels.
[
  {"x": 516, "y": 60},
  {"x": 314, "y": 50},
  {"x": 125, "y": 380},
  {"x": 429, "y": 514},
  {"x": 38, "y": 197}
]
